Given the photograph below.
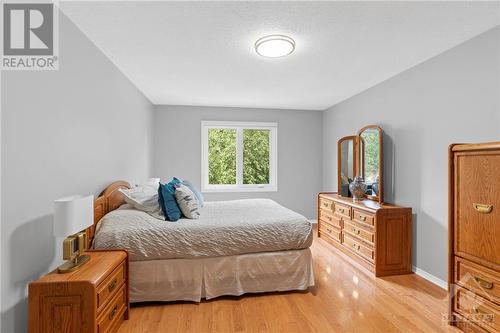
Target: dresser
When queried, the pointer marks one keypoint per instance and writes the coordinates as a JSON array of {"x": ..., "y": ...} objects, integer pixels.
[
  {"x": 377, "y": 236},
  {"x": 91, "y": 299},
  {"x": 474, "y": 236}
]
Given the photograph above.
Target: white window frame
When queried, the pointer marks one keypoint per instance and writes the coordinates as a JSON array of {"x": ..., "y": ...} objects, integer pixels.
[{"x": 239, "y": 186}]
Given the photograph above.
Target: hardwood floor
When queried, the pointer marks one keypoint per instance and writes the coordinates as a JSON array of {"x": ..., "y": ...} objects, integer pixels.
[{"x": 346, "y": 298}]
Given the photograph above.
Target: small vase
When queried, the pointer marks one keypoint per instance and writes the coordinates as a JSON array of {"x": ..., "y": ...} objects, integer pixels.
[{"x": 358, "y": 188}]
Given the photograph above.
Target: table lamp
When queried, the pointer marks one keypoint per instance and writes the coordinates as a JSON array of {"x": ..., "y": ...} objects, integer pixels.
[{"x": 72, "y": 215}]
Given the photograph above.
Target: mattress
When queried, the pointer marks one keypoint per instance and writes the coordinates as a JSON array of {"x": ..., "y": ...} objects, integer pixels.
[{"x": 224, "y": 228}]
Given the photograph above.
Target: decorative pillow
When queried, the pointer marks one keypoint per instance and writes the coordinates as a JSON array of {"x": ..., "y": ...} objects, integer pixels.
[
  {"x": 187, "y": 201},
  {"x": 141, "y": 198},
  {"x": 196, "y": 192},
  {"x": 166, "y": 199},
  {"x": 153, "y": 183}
]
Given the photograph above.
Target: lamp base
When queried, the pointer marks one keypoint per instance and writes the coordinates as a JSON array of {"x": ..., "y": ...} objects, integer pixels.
[{"x": 72, "y": 265}]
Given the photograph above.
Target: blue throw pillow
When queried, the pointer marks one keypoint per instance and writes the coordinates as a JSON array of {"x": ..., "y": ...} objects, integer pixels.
[
  {"x": 166, "y": 199},
  {"x": 196, "y": 192}
]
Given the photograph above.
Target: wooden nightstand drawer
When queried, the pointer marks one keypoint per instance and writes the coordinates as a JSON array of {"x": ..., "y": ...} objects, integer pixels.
[
  {"x": 113, "y": 311},
  {"x": 108, "y": 288}
]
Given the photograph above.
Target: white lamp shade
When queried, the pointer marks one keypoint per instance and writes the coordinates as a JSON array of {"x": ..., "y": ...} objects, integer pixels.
[{"x": 73, "y": 214}]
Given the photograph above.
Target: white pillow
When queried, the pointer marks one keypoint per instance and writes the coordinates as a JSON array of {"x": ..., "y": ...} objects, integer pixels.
[
  {"x": 154, "y": 183},
  {"x": 144, "y": 198},
  {"x": 187, "y": 202},
  {"x": 125, "y": 206}
]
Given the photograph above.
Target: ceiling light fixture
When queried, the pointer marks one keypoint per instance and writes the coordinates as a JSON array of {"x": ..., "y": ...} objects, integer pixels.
[{"x": 274, "y": 46}]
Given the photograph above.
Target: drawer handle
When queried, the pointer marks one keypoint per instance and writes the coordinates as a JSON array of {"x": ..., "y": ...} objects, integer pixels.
[
  {"x": 483, "y": 209},
  {"x": 325, "y": 204},
  {"x": 112, "y": 285},
  {"x": 356, "y": 231},
  {"x": 329, "y": 218},
  {"x": 113, "y": 312},
  {"x": 356, "y": 246},
  {"x": 483, "y": 283},
  {"x": 329, "y": 230},
  {"x": 341, "y": 210},
  {"x": 362, "y": 218}
]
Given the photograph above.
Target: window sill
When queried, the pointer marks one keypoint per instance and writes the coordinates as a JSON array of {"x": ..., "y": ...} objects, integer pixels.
[{"x": 240, "y": 189}]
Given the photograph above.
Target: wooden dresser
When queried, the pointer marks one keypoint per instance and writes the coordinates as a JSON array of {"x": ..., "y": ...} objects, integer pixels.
[
  {"x": 474, "y": 236},
  {"x": 92, "y": 299},
  {"x": 378, "y": 236}
]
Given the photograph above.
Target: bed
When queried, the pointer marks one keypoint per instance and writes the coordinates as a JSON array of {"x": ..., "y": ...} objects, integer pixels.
[{"x": 235, "y": 247}]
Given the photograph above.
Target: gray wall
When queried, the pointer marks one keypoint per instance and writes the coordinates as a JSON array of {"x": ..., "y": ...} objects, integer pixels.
[
  {"x": 177, "y": 150},
  {"x": 453, "y": 97},
  {"x": 63, "y": 132}
]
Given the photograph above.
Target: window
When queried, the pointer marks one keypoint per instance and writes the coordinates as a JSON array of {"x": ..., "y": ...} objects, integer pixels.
[{"x": 239, "y": 156}]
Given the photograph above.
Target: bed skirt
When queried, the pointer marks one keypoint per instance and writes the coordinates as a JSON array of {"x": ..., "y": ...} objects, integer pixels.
[{"x": 194, "y": 279}]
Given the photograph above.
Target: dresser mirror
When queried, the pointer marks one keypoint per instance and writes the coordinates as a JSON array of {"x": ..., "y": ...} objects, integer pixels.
[
  {"x": 361, "y": 155},
  {"x": 347, "y": 157},
  {"x": 370, "y": 160}
]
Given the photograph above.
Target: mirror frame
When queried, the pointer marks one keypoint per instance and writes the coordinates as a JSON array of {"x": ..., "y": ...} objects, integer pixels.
[
  {"x": 354, "y": 139},
  {"x": 380, "y": 196}
]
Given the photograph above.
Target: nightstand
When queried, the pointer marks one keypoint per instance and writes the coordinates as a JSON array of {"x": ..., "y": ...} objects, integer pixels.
[{"x": 91, "y": 299}]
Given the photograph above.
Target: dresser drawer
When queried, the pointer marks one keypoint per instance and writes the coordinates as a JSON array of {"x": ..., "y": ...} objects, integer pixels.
[
  {"x": 477, "y": 310},
  {"x": 359, "y": 232},
  {"x": 477, "y": 207},
  {"x": 330, "y": 219},
  {"x": 363, "y": 217},
  {"x": 481, "y": 280},
  {"x": 113, "y": 311},
  {"x": 109, "y": 286},
  {"x": 326, "y": 204},
  {"x": 329, "y": 231},
  {"x": 358, "y": 247},
  {"x": 343, "y": 210}
]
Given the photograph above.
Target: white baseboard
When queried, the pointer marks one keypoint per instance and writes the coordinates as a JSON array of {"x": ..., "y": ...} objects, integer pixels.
[
  {"x": 431, "y": 278},
  {"x": 313, "y": 221}
]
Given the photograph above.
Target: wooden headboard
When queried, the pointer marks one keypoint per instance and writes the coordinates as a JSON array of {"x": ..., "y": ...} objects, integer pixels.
[{"x": 109, "y": 200}]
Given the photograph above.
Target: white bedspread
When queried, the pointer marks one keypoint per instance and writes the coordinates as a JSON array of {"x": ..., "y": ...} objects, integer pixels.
[{"x": 224, "y": 228}]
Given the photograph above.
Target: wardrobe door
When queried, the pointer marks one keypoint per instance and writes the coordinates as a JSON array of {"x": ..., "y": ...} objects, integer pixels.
[{"x": 477, "y": 207}]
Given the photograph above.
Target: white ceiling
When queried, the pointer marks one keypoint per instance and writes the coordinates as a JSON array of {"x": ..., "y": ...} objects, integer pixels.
[{"x": 202, "y": 53}]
